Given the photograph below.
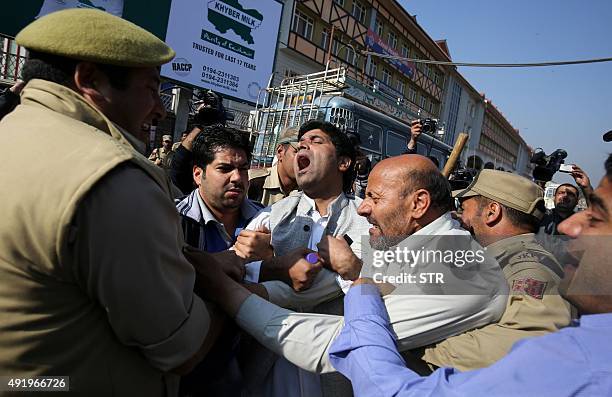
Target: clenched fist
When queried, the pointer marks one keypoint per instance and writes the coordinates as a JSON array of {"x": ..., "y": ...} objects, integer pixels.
[
  {"x": 339, "y": 257},
  {"x": 254, "y": 245}
]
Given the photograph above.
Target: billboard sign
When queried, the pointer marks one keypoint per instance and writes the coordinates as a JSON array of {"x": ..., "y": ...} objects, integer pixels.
[{"x": 227, "y": 46}]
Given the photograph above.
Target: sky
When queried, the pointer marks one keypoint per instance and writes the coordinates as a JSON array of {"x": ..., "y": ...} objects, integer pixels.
[{"x": 568, "y": 107}]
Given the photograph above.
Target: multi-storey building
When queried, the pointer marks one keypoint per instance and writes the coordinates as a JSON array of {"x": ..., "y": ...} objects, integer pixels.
[
  {"x": 499, "y": 142},
  {"x": 336, "y": 32},
  {"x": 463, "y": 110},
  {"x": 496, "y": 144}
]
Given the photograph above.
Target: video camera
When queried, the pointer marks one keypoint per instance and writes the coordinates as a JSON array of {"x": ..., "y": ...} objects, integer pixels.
[
  {"x": 210, "y": 109},
  {"x": 461, "y": 178},
  {"x": 547, "y": 165}
]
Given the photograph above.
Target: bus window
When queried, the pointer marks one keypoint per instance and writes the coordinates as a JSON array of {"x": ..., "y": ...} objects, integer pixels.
[
  {"x": 396, "y": 144},
  {"x": 422, "y": 148},
  {"x": 374, "y": 158},
  {"x": 370, "y": 135},
  {"x": 439, "y": 155}
]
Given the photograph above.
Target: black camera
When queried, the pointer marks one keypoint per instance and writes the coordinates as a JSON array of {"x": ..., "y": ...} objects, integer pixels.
[
  {"x": 210, "y": 109},
  {"x": 428, "y": 126},
  {"x": 461, "y": 178},
  {"x": 547, "y": 165}
]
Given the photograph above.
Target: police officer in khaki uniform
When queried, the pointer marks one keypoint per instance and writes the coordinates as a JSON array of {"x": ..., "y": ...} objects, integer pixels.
[
  {"x": 162, "y": 156},
  {"x": 176, "y": 145},
  {"x": 268, "y": 185},
  {"x": 94, "y": 279},
  {"x": 503, "y": 211}
]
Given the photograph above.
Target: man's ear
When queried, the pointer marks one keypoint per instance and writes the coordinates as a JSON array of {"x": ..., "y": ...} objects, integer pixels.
[
  {"x": 421, "y": 201},
  {"x": 89, "y": 81},
  {"x": 280, "y": 150},
  {"x": 492, "y": 213},
  {"x": 198, "y": 173},
  {"x": 344, "y": 163}
]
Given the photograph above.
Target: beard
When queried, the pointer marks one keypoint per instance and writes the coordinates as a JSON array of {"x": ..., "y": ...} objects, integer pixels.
[
  {"x": 394, "y": 232},
  {"x": 383, "y": 243},
  {"x": 565, "y": 205}
]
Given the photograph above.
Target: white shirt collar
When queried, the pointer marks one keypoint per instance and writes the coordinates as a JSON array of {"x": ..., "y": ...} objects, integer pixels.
[
  {"x": 314, "y": 212},
  {"x": 445, "y": 224}
]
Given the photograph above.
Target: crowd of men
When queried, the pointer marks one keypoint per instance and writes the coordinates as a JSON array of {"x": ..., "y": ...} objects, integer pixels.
[{"x": 189, "y": 274}]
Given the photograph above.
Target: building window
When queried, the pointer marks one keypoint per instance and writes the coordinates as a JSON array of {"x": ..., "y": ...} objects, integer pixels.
[
  {"x": 437, "y": 78},
  {"x": 392, "y": 40},
  {"x": 419, "y": 65},
  {"x": 405, "y": 51},
  {"x": 426, "y": 69},
  {"x": 423, "y": 102},
  {"x": 350, "y": 55},
  {"x": 325, "y": 38},
  {"x": 359, "y": 11},
  {"x": 379, "y": 27},
  {"x": 412, "y": 94},
  {"x": 336, "y": 46},
  {"x": 386, "y": 76},
  {"x": 339, "y": 2},
  {"x": 373, "y": 70},
  {"x": 302, "y": 24},
  {"x": 400, "y": 86},
  {"x": 431, "y": 107}
]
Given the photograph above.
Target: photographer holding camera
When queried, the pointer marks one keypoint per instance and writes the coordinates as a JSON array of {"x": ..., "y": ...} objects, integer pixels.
[
  {"x": 566, "y": 195},
  {"x": 566, "y": 199},
  {"x": 417, "y": 127}
]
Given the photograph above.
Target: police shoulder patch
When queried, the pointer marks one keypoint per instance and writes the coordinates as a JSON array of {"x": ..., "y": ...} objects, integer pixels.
[
  {"x": 524, "y": 256},
  {"x": 529, "y": 286}
]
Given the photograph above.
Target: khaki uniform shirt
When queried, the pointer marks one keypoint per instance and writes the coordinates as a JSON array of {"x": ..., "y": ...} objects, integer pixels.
[
  {"x": 534, "y": 307},
  {"x": 91, "y": 285},
  {"x": 265, "y": 186},
  {"x": 164, "y": 155}
]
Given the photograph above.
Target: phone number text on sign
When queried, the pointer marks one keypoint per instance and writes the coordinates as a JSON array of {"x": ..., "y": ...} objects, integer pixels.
[{"x": 220, "y": 78}]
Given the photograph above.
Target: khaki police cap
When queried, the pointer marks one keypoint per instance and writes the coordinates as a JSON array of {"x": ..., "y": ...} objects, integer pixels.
[
  {"x": 290, "y": 136},
  {"x": 506, "y": 188},
  {"x": 166, "y": 138},
  {"x": 94, "y": 36}
]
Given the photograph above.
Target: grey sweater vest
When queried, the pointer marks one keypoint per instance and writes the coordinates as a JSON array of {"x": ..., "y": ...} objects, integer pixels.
[{"x": 291, "y": 224}]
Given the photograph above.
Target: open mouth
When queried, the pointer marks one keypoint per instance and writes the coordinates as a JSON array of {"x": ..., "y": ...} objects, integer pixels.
[{"x": 303, "y": 162}]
